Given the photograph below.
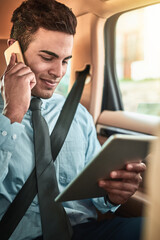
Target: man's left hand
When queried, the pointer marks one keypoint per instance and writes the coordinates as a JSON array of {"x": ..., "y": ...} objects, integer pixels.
[{"x": 126, "y": 184}]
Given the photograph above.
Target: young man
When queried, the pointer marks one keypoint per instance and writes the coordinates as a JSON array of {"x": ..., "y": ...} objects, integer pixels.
[{"x": 45, "y": 31}]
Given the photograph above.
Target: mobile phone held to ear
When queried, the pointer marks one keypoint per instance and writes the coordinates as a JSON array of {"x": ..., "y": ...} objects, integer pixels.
[{"x": 14, "y": 48}]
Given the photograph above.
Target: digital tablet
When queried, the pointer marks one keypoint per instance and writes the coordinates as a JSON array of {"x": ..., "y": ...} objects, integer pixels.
[{"x": 115, "y": 153}]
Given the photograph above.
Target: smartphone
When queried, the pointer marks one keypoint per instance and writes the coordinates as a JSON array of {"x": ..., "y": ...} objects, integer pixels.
[{"x": 14, "y": 48}]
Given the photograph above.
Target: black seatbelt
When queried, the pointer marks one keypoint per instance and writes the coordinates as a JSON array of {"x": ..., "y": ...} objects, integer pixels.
[{"x": 25, "y": 196}]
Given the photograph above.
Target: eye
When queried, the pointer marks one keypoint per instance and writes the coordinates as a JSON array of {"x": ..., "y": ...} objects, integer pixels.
[
  {"x": 46, "y": 58},
  {"x": 65, "y": 62}
]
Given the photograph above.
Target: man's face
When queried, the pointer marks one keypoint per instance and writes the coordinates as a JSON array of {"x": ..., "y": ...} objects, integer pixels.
[{"x": 48, "y": 55}]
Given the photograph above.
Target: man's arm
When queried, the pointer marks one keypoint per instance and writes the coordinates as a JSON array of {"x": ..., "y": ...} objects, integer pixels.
[
  {"x": 16, "y": 86},
  {"x": 9, "y": 134},
  {"x": 127, "y": 183}
]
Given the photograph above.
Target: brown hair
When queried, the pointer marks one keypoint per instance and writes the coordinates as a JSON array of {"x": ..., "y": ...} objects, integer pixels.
[{"x": 47, "y": 14}]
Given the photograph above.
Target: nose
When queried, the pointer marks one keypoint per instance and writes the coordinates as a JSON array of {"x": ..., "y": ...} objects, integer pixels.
[{"x": 56, "y": 70}]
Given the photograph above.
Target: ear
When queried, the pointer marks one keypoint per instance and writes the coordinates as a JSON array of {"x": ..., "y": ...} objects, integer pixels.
[{"x": 10, "y": 41}]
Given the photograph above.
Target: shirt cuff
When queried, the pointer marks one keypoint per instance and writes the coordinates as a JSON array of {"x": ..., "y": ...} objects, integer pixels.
[
  {"x": 111, "y": 206},
  {"x": 104, "y": 206},
  {"x": 9, "y": 133}
]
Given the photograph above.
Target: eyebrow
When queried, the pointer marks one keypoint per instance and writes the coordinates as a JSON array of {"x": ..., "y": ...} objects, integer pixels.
[{"x": 54, "y": 54}]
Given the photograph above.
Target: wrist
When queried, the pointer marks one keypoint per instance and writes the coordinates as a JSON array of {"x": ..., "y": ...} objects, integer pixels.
[
  {"x": 107, "y": 199},
  {"x": 13, "y": 115},
  {"x": 110, "y": 205}
]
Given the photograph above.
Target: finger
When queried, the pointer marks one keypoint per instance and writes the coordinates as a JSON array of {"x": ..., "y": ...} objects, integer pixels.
[
  {"x": 15, "y": 68},
  {"x": 119, "y": 185},
  {"x": 12, "y": 62},
  {"x": 136, "y": 167},
  {"x": 138, "y": 179},
  {"x": 22, "y": 70},
  {"x": 136, "y": 160},
  {"x": 30, "y": 77},
  {"x": 33, "y": 82},
  {"x": 125, "y": 175}
]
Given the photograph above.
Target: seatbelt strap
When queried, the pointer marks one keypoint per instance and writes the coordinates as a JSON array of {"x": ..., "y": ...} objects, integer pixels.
[
  {"x": 25, "y": 196},
  {"x": 68, "y": 111}
]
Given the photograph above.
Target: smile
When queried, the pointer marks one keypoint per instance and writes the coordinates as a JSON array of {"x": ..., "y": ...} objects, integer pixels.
[{"x": 49, "y": 83}]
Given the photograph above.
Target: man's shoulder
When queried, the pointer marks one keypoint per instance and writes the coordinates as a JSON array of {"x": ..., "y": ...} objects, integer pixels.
[{"x": 83, "y": 117}]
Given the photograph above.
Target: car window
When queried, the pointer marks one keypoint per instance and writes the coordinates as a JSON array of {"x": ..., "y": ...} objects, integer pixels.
[{"x": 138, "y": 59}]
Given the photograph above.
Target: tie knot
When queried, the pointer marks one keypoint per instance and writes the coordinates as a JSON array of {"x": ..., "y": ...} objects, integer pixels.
[{"x": 35, "y": 104}]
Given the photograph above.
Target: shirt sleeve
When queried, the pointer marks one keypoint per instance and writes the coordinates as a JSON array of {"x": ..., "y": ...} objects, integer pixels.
[{"x": 9, "y": 134}]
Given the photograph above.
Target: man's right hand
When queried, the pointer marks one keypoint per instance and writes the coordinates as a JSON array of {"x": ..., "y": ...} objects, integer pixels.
[{"x": 17, "y": 82}]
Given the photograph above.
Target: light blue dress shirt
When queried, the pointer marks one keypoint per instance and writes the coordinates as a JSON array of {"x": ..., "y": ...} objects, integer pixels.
[{"x": 17, "y": 161}]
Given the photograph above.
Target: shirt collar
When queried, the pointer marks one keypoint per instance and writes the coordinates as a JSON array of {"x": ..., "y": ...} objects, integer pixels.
[{"x": 45, "y": 103}]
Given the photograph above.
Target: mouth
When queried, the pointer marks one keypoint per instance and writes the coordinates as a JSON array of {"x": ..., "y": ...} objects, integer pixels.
[{"x": 49, "y": 83}]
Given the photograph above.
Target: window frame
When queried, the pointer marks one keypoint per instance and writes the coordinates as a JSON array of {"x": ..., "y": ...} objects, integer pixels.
[{"x": 111, "y": 92}]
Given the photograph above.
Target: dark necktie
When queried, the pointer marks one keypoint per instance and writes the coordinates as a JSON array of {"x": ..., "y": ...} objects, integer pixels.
[{"x": 55, "y": 223}]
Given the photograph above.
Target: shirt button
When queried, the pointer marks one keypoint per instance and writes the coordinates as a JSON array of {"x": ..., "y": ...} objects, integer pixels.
[
  {"x": 14, "y": 136},
  {"x": 4, "y": 133}
]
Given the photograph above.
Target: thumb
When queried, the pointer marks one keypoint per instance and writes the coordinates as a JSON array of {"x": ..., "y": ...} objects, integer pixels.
[{"x": 12, "y": 61}]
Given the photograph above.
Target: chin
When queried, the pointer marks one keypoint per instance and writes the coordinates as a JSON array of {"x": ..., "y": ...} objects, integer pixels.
[{"x": 45, "y": 94}]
